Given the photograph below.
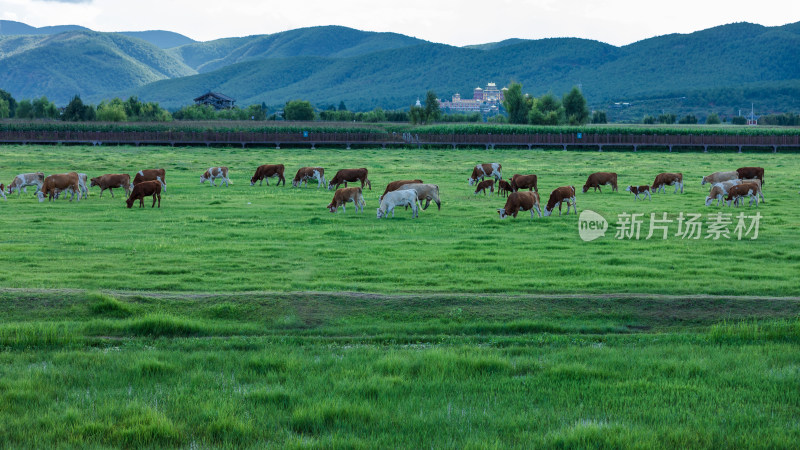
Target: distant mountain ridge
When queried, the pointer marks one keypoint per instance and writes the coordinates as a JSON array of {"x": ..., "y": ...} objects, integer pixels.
[{"x": 159, "y": 38}]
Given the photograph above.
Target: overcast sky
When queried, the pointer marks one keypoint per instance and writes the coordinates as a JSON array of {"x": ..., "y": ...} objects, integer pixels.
[{"x": 455, "y": 22}]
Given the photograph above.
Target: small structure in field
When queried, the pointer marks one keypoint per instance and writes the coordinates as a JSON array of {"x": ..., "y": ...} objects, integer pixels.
[{"x": 215, "y": 99}]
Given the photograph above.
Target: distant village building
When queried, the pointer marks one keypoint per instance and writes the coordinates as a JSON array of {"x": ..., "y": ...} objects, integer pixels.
[
  {"x": 215, "y": 99},
  {"x": 483, "y": 100}
]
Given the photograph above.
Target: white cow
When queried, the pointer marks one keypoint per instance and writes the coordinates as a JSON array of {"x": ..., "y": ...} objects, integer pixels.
[
  {"x": 217, "y": 172},
  {"x": 405, "y": 197},
  {"x": 23, "y": 180}
]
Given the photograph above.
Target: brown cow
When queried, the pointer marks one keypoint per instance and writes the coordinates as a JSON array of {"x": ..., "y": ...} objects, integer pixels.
[
  {"x": 735, "y": 193},
  {"x": 151, "y": 175},
  {"x": 347, "y": 195},
  {"x": 60, "y": 182},
  {"x": 344, "y": 176},
  {"x": 486, "y": 170},
  {"x": 520, "y": 201},
  {"x": 636, "y": 190},
  {"x": 395, "y": 185},
  {"x": 485, "y": 184},
  {"x": 598, "y": 179},
  {"x": 563, "y": 194},
  {"x": 146, "y": 189},
  {"x": 504, "y": 188},
  {"x": 307, "y": 173},
  {"x": 524, "y": 182},
  {"x": 111, "y": 181},
  {"x": 751, "y": 172},
  {"x": 664, "y": 179},
  {"x": 267, "y": 171}
]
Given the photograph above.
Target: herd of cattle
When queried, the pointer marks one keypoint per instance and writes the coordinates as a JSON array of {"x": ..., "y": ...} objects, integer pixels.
[{"x": 730, "y": 187}]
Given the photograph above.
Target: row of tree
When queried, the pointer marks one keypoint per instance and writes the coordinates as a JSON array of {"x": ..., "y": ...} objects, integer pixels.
[{"x": 571, "y": 109}]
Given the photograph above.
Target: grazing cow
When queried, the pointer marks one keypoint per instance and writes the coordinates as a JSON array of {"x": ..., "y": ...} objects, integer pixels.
[
  {"x": 3, "y": 191},
  {"x": 346, "y": 195},
  {"x": 486, "y": 170},
  {"x": 751, "y": 172},
  {"x": 307, "y": 173},
  {"x": 403, "y": 197},
  {"x": 504, "y": 188},
  {"x": 524, "y": 182},
  {"x": 82, "y": 178},
  {"x": 427, "y": 192},
  {"x": 520, "y": 201},
  {"x": 598, "y": 179},
  {"x": 267, "y": 171},
  {"x": 636, "y": 190},
  {"x": 111, "y": 181},
  {"x": 719, "y": 177},
  {"x": 720, "y": 190},
  {"x": 21, "y": 182},
  {"x": 485, "y": 184},
  {"x": 60, "y": 182},
  {"x": 664, "y": 179},
  {"x": 146, "y": 189},
  {"x": 216, "y": 172},
  {"x": 736, "y": 193},
  {"x": 395, "y": 185},
  {"x": 757, "y": 182},
  {"x": 344, "y": 176},
  {"x": 151, "y": 175},
  {"x": 563, "y": 194}
]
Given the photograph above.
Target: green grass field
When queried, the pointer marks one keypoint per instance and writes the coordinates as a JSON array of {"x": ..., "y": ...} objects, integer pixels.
[{"x": 252, "y": 317}]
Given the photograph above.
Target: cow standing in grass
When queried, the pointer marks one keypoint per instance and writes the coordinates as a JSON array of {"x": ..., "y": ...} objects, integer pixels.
[
  {"x": 598, "y": 179},
  {"x": 21, "y": 182},
  {"x": 345, "y": 176},
  {"x": 563, "y": 194},
  {"x": 520, "y": 201},
  {"x": 668, "y": 179},
  {"x": 146, "y": 189},
  {"x": 113, "y": 181},
  {"x": 151, "y": 175},
  {"x": 347, "y": 195},
  {"x": 307, "y": 173},
  {"x": 481, "y": 171},
  {"x": 267, "y": 171},
  {"x": 213, "y": 173}
]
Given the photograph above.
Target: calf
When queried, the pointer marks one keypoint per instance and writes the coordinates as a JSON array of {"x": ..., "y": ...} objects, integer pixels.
[
  {"x": 215, "y": 172},
  {"x": 151, "y": 175},
  {"x": 345, "y": 176},
  {"x": 346, "y": 195},
  {"x": 563, "y": 194},
  {"x": 427, "y": 192},
  {"x": 403, "y": 197},
  {"x": 485, "y": 184},
  {"x": 395, "y": 185},
  {"x": 719, "y": 190},
  {"x": 598, "y": 179},
  {"x": 60, "y": 182},
  {"x": 307, "y": 173},
  {"x": 751, "y": 172},
  {"x": 146, "y": 189},
  {"x": 636, "y": 190},
  {"x": 486, "y": 170},
  {"x": 735, "y": 193},
  {"x": 111, "y": 181},
  {"x": 267, "y": 171},
  {"x": 504, "y": 188},
  {"x": 23, "y": 180},
  {"x": 520, "y": 201},
  {"x": 664, "y": 179},
  {"x": 524, "y": 182},
  {"x": 719, "y": 177}
]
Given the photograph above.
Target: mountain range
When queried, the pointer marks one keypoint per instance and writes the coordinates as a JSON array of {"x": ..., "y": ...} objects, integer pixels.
[{"x": 719, "y": 69}]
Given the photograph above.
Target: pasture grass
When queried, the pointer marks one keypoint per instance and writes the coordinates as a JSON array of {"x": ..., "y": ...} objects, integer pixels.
[{"x": 267, "y": 238}]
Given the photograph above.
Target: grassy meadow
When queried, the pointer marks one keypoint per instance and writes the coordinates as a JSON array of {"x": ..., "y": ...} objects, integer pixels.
[{"x": 251, "y": 317}]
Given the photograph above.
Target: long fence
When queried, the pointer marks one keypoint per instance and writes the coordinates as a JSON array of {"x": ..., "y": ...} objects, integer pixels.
[{"x": 596, "y": 141}]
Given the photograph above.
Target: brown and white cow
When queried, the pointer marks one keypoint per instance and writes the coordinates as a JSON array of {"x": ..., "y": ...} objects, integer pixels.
[
  {"x": 524, "y": 182},
  {"x": 216, "y": 172},
  {"x": 151, "y": 175},
  {"x": 719, "y": 177},
  {"x": 426, "y": 191},
  {"x": 736, "y": 193},
  {"x": 111, "y": 181},
  {"x": 504, "y": 188},
  {"x": 395, "y": 185},
  {"x": 267, "y": 171},
  {"x": 671, "y": 179},
  {"x": 23, "y": 180},
  {"x": 563, "y": 194},
  {"x": 60, "y": 182},
  {"x": 344, "y": 176},
  {"x": 3, "y": 191},
  {"x": 598, "y": 179},
  {"x": 751, "y": 172},
  {"x": 520, "y": 201},
  {"x": 636, "y": 190},
  {"x": 720, "y": 190},
  {"x": 486, "y": 170},
  {"x": 346, "y": 195},
  {"x": 484, "y": 185},
  {"x": 146, "y": 189},
  {"x": 309, "y": 173}
]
